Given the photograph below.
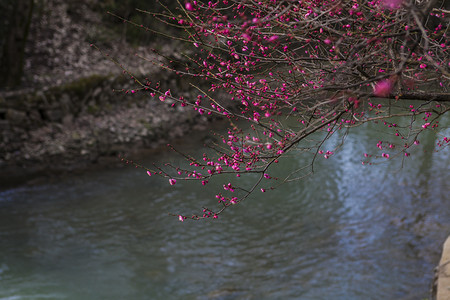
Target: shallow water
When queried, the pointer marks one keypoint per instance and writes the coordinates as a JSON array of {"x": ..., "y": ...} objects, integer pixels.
[{"x": 347, "y": 232}]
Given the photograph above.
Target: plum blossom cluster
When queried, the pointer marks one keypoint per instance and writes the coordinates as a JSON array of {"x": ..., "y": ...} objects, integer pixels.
[{"x": 289, "y": 70}]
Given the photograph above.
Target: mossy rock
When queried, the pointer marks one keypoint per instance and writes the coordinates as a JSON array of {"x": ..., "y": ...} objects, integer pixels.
[{"x": 80, "y": 87}]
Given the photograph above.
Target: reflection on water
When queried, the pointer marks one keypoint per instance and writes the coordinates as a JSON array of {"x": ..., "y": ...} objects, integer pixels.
[{"x": 348, "y": 232}]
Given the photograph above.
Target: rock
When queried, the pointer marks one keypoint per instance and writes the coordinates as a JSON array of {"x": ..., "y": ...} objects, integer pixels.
[
  {"x": 53, "y": 115},
  {"x": 35, "y": 117},
  {"x": 97, "y": 92},
  {"x": 65, "y": 103},
  {"x": 4, "y": 125},
  {"x": 443, "y": 273},
  {"x": 67, "y": 120},
  {"x": 16, "y": 117}
]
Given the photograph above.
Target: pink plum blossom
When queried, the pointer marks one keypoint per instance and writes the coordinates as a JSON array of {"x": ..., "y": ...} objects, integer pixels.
[
  {"x": 391, "y": 4},
  {"x": 383, "y": 88},
  {"x": 273, "y": 38}
]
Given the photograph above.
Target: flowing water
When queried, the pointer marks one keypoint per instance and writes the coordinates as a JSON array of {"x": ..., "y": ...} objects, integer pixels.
[{"x": 348, "y": 232}]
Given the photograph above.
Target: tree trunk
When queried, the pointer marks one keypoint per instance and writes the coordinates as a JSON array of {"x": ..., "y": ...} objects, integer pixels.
[{"x": 17, "y": 21}]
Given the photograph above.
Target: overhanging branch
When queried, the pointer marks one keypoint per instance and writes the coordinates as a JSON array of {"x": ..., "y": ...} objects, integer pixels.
[{"x": 439, "y": 97}]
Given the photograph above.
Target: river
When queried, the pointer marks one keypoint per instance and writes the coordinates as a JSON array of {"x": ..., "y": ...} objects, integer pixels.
[{"x": 350, "y": 231}]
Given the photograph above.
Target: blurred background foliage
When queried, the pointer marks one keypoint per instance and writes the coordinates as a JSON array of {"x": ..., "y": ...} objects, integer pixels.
[
  {"x": 128, "y": 9},
  {"x": 20, "y": 17},
  {"x": 15, "y": 19}
]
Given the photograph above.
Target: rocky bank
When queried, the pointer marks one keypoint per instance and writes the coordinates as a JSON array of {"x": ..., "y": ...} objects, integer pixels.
[{"x": 73, "y": 109}]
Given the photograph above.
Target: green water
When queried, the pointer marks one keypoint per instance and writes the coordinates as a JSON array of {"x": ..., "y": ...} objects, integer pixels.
[{"x": 348, "y": 232}]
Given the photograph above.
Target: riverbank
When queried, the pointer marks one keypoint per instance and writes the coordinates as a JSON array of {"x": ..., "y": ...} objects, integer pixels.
[
  {"x": 55, "y": 168},
  {"x": 74, "y": 125},
  {"x": 442, "y": 288},
  {"x": 73, "y": 110}
]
